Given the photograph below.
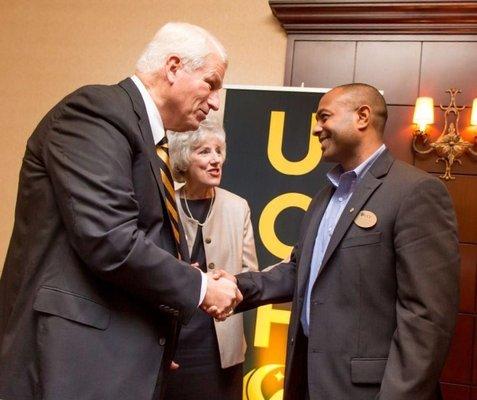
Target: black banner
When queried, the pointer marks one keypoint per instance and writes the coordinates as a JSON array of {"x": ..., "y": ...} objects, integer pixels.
[{"x": 273, "y": 161}]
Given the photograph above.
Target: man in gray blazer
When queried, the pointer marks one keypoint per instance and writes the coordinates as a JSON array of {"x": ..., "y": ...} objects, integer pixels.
[
  {"x": 92, "y": 288},
  {"x": 374, "y": 275}
]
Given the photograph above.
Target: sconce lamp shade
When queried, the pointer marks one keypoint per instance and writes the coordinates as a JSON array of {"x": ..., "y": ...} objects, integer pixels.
[
  {"x": 473, "y": 118},
  {"x": 423, "y": 112}
]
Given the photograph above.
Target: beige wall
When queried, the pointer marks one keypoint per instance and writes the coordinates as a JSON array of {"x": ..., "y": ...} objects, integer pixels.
[{"x": 50, "y": 47}]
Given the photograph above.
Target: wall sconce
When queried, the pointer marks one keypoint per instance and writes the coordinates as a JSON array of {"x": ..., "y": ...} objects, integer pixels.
[{"x": 449, "y": 146}]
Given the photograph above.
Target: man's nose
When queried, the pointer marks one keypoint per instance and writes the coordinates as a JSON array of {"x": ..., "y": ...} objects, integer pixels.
[
  {"x": 317, "y": 129},
  {"x": 214, "y": 100}
]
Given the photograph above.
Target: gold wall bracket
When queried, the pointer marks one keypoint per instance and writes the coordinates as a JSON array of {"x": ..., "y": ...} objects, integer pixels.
[{"x": 449, "y": 146}]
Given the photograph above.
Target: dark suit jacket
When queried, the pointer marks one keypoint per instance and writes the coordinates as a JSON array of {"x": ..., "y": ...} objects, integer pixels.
[
  {"x": 383, "y": 307},
  {"x": 91, "y": 279}
]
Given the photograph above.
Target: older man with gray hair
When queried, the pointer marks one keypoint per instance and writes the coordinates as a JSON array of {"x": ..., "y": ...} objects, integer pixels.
[{"x": 97, "y": 275}]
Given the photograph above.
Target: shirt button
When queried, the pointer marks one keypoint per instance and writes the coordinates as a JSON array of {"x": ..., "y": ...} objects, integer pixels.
[
  {"x": 211, "y": 266},
  {"x": 162, "y": 341},
  {"x": 340, "y": 198},
  {"x": 208, "y": 240}
]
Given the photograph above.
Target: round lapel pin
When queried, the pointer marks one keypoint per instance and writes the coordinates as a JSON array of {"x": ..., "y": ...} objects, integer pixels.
[{"x": 366, "y": 219}]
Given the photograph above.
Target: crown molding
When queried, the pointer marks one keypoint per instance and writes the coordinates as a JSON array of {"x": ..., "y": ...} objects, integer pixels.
[{"x": 377, "y": 17}]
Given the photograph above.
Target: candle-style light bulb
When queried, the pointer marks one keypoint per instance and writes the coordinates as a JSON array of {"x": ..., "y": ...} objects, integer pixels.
[
  {"x": 423, "y": 112},
  {"x": 473, "y": 118}
]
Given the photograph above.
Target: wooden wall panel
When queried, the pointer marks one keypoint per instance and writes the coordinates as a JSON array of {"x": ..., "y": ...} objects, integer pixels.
[
  {"x": 455, "y": 392},
  {"x": 474, "y": 374},
  {"x": 406, "y": 67},
  {"x": 458, "y": 367},
  {"x": 468, "y": 254},
  {"x": 464, "y": 194},
  {"x": 382, "y": 64},
  {"x": 398, "y": 134},
  {"x": 447, "y": 65},
  {"x": 323, "y": 64}
]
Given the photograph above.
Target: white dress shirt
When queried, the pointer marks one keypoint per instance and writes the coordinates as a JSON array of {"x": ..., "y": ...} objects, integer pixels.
[{"x": 158, "y": 132}]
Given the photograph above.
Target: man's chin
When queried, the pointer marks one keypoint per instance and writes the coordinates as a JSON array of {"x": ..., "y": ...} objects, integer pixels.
[
  {"x": 192, "y": 126},
  {"x": 196, "y": 123},
  {"x": 326, "y": 156}
]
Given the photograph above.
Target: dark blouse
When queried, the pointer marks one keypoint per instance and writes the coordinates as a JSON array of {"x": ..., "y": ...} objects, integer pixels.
[
  {"x": 200, "y": 375},
  {"x": 197, "y": 340},
  {"x": 199, "y": 210}
]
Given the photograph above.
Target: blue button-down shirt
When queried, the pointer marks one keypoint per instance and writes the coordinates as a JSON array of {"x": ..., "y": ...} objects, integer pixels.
[{"x": 345, "y": 183}]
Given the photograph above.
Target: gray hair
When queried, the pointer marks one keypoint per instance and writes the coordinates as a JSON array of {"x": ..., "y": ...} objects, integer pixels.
[
  {"x": 182, "y": 144},
  {"x": 190, "y": 42}
]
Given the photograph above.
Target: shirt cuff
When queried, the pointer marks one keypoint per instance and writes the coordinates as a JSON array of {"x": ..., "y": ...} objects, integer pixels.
[{"x": 203, "y": 288}]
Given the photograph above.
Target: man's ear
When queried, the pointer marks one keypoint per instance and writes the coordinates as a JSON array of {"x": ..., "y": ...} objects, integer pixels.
[
  {"x": 172, "y": 65},
  {"x": 363, "y": 115}
]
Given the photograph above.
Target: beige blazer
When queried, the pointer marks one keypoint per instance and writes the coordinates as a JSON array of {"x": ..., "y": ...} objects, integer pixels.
[{"x": 229, "y": 244}]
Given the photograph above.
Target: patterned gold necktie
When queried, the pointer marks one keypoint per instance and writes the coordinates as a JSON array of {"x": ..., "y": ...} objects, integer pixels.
[{"x": 162, "y": 150}]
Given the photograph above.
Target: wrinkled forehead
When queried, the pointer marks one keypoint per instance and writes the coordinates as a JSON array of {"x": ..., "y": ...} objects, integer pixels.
[
  {"x": 214, "y": 70},
  {"x": 213, "y": 61}
]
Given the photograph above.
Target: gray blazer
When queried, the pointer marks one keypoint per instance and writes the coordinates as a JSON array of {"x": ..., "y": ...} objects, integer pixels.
[
  {"x": 384, "y": 305},
  {"x": 91, "y": 279},
  {"x": 229, "y": 244}
]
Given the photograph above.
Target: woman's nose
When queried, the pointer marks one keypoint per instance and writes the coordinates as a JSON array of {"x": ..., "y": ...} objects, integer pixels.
[{"x": 215, "y": 158}]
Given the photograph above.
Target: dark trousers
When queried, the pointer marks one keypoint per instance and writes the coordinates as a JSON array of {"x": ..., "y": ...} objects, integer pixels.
[
  {"x": 305, "y": 383},
  {"x": 301, "y": 370}
]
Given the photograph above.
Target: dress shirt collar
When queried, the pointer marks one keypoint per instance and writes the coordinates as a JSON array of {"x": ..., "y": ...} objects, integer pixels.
[
  {"x": 335, "y": 174},
  {"x": 155, "y": 120}
]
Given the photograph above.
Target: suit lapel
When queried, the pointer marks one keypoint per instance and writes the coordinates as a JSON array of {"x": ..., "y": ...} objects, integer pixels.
[
  {"x": 183, "y": 249},
  {"x": 145, "y": 128},
  {"x": 370, "y": 182},
  {"x": 310, "y": 236},
  {"x": 146, "y": 133}
]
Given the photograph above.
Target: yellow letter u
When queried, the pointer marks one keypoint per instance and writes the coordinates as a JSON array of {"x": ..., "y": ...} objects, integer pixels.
[{"x": 275, "y": 143}]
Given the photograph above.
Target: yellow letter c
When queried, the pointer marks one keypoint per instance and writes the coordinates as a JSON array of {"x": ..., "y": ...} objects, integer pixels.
[{"x": 266, "y": 225}]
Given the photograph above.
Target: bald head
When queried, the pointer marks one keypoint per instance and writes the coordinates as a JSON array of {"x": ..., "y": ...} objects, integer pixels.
[
  {"x": 356, "y": 95},
  {"x": 350, "y": 124}
]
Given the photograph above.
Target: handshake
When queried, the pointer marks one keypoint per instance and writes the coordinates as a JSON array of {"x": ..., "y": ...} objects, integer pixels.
[{"x": 222, "y": 295}]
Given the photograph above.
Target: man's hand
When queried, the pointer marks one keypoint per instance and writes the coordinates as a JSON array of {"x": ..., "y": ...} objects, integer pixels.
[
  {"x": 220, "y": 273},
  {"x": 221, "y": 298}
]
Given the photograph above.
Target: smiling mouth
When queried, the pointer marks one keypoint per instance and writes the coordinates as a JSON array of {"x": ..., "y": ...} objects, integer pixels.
[{"x": 214, "y": 172}]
